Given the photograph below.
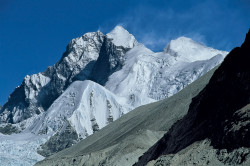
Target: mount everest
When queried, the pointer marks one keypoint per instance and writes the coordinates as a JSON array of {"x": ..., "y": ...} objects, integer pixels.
[{"x": 98, "y": 79}]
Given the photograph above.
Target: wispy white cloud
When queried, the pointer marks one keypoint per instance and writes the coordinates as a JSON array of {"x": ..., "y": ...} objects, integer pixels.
[
  {"x": 208, "y": 22},
  {"x": 156, "y": 27}
]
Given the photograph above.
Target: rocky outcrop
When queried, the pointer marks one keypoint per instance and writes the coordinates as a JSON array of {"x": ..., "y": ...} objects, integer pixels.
[
  {"x": 65, "y": 138},
  {"x": 216, "y": 113},
  {"x": 202, "y": 153},
  {"x": 9, "y": 129}
]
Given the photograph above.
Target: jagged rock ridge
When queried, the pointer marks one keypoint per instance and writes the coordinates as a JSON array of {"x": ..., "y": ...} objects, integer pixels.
[{"x": 37, "y": 92}]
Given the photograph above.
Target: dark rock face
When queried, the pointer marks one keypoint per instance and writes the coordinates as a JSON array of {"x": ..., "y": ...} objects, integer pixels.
[
  {"x": 16, "y": 98},
  {"x": 236, "y": 130},
  {"x": 111, "y": 59},
  {"x": 216, "y": 112},
  {"x": 8, "y": 129}
]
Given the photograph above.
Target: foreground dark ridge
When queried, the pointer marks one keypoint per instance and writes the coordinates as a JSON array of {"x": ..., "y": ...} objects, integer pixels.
[{"x": 214, "y": 112}]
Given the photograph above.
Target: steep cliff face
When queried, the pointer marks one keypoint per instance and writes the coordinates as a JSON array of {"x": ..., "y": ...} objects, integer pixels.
[
  {"x": 111, "y": 59},
  {"x": 112, "y": 54},
  {"x": 217, "y": 113},
  {"x": 37, "y": 92},
  {"x": 80, "y": 60}
]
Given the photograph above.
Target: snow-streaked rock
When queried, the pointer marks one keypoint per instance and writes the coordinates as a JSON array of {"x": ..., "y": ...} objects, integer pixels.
[{"x": 38, "y": 92}]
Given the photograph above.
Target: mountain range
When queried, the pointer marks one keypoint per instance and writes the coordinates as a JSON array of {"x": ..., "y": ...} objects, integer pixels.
[
  {"x": 206, "y": 123},
  {"x": 100, "y": 78}
]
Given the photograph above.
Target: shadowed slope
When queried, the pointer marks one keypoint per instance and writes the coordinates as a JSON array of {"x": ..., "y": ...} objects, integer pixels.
[{"x": 213, "y": 111}]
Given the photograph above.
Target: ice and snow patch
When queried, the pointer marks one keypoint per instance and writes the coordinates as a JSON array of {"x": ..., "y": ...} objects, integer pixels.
[
  {"x": 20, "y": 149},
  {"x": 188, "y": 50},
  {"x": 121, "y": 37}
]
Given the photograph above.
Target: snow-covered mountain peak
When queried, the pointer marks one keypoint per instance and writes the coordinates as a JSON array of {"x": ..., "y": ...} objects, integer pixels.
[
  {"x": 121, "y": 37},
  {"x": 87, "y": 40},
  {"x": 182, "y": 43},
  {"x": 89, "y": 35},
  {"x": 86, "y": 105},
  {"x": 186, "y": 49}
]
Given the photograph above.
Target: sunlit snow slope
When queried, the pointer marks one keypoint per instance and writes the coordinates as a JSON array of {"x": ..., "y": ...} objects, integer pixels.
[
  {"x": 148, "y": 76},
  {"x": 86, "y": 105}
]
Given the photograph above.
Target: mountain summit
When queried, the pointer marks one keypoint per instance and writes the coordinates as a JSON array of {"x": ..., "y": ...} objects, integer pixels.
[
  {"x": 188, "y": 50},
  {"x": 121, "y": 37}
]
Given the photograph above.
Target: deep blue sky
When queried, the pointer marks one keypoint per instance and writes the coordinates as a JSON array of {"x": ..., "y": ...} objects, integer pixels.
[{"x": 34, "y": 34}]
